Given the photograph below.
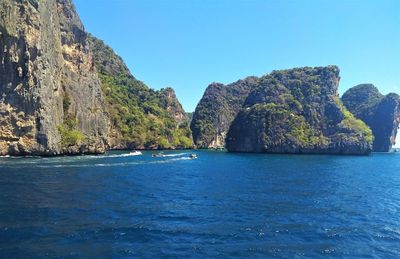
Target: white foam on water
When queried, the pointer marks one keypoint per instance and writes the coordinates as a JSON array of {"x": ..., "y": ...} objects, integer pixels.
[
  {"x": 69, "y": 161},
  {"x": 175, "y": 155},
  {"x": 125, "y": 155},
  {"x": 111, "y": 155},
  {"x": 19, "y": 157},
  {"x": 163, "y": 161}
]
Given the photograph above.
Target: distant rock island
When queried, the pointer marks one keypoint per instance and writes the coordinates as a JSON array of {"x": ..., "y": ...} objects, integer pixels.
[
  {"x": 65, "y": 92},
  {"x": 380, "y": 112},
  {"x": 296, "y": 111}
]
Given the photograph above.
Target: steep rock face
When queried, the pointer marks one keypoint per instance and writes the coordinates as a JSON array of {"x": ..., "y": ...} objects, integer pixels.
[
  {"x": 298, "y": 111},
  {"x": 141, "y": 118},
  {"x": 216, "y": 111},
  {"x": 169, "y": 101},
  {"x": 50, "y": 96},
  {"x": 381, "y": 113}
]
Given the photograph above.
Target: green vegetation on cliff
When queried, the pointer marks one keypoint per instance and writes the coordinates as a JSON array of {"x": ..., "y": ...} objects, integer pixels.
[
  {"x": 298, "y": 111},
  {"x": 362, "y": 99},
  {"x": 381, "y": 113},
  {"x": 350, "y": 122},
  {"x": 70, "y": 136},
  {"x": 216, "y": 111},
  {"x": 140, "y": 117}
]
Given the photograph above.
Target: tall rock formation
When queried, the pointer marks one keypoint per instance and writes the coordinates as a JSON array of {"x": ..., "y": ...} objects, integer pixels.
[
  {"x": 50, "y": 95},
  {"x": 288, "y": 111},
  {"x": 141, "y": 118},
  {"x": 169, "y": 101},
  {"x": 216, "y": 111},
  {"x": 381, "y": 113},
  {"x": 298, "y": 111}
]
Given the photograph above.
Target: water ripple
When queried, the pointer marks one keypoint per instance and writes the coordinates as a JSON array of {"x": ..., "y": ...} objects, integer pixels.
[{"x": 219, "y": 205}]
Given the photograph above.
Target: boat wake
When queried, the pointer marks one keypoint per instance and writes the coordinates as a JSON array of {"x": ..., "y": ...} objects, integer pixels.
[
  {"x": 135, "y": 153},
  {"x": 71, "y": 162},
  {"x": 174, "y": 155}
]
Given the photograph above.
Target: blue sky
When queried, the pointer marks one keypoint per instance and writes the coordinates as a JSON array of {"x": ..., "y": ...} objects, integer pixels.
[{"x": 189, "y": 44}]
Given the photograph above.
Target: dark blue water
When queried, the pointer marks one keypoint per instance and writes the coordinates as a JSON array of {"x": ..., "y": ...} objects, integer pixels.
[{"x": 221, "y": 204}]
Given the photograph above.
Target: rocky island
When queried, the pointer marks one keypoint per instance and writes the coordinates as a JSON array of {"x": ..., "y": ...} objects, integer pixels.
[
  {"x": 380, "y": 112},
  {"x": 298, "y": 111}
]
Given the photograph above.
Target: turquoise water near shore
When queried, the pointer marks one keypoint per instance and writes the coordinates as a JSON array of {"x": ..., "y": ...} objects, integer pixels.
[{"x": 221, "y": 204}]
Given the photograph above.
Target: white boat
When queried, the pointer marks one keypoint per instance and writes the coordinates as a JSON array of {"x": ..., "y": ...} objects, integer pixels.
[
  {"x": 160, "y": 154},
  {"x": 135, "y": 153}
]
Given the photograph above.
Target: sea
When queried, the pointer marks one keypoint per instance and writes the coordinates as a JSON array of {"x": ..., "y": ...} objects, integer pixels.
[{"x": 122, "y": 205}]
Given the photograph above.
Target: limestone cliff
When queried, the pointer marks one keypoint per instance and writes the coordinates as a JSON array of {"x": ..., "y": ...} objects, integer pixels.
[
  {"x": 216, "y": 111},
  {"x": 50, "y": 96},
  {"x": 381, "y": 113},
  {"x": 298, "y": 111},
  {"x": 170, "y": 102},
  {"x": 141, "y": 118}
]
